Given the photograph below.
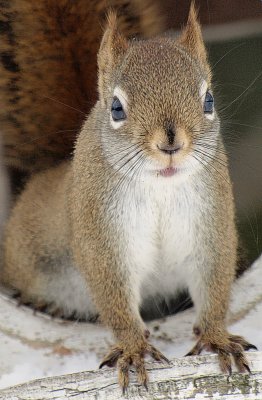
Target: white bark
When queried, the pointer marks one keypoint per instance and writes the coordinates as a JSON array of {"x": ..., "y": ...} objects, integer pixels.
[{"x": 187, "y": 378}]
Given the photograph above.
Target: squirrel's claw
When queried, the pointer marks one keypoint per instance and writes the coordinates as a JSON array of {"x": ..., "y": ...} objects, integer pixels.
[
  {"x": 111, "y": 358},
  {"x": 123, "y": 372},
  {"x": 224, "y": 360},
  {"x": 231, "y": 346},
  {"x": 157, "y": 355},
  {"x": 239, "y": 339},
  {"x": 250, "y": 346},
  {"x": 123, "y": 359},
  {"x": 196, "y": 350}
]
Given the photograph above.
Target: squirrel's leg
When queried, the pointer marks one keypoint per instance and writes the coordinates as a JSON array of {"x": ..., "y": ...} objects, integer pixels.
[
  {"x": 116, "y": 297},
  {"x": 211, "y": 299}
]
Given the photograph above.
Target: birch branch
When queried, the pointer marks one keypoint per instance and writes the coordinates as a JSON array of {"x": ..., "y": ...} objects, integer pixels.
[{"x": 186, "y": 378}]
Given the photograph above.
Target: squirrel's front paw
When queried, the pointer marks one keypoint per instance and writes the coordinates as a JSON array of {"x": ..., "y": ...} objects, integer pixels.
[
  {"x": 226, "y": 346},
  {"x": 123, "y": 357}
]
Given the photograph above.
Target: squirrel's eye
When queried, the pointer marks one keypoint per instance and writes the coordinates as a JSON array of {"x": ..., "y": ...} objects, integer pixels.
[
  {"x": 209, "y": 103},
  {"x": 117, "y": 111}
]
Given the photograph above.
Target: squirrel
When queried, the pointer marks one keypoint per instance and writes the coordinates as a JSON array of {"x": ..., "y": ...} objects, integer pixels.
[{"x": 144, "y": 207}]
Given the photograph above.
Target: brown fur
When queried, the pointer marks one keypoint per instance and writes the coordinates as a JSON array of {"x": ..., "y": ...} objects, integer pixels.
[
  {"x": 48, "y": 71},
  {"x": 79, "y": 207}
]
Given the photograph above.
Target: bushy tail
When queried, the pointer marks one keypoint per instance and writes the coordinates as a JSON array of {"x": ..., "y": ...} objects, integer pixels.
[{"x": 48, "y": 71}]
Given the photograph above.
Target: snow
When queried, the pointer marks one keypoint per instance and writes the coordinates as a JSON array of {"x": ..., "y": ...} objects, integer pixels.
[{"x": 35, "y": 346}]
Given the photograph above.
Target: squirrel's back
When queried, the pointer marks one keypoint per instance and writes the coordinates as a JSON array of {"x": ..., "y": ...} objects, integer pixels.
[{"x": 48, "y": 71}]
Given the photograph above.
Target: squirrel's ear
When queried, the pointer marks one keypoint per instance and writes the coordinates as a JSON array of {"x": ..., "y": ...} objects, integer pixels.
[
  {"x": 112, "y": 50},
  {"x": 191, "y": 37}
]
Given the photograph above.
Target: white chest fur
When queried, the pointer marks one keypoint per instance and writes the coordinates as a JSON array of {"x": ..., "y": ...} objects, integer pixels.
[{"x": 158, "y": 222}]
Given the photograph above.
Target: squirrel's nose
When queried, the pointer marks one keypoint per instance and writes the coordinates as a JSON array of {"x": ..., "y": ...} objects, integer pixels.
[{"x": 169, "y": 149}]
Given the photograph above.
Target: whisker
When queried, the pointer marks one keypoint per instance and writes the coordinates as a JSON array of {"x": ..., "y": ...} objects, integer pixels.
[
  {"x": 137, "y": 168},
  {"x": 209, "y": 184},
  {"x": 241, "y": 94},
  {"x": 245, "y": 125},
  {"x": 230, "y": 84},
  {"x": 233, "y": 157},
  {"x": 128, "y": 160},
  {"x": 64, "y": 104},
  {"x": 133, "y": 147},
  {"x": 45, "y": 135},
  {"x": 125, "y": 175},
  {"x": 212, "y": 166},
  {"x": 127, "y": 178},
  {"x": 211, "y": 146},
  {"x": 224, "y": 164},
  {"x": 227, "y": 53},
  {"x": 220, "y": 153}
]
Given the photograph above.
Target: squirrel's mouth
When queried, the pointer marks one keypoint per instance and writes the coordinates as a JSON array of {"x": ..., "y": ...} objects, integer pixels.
[{"x": 167, "y": 172}]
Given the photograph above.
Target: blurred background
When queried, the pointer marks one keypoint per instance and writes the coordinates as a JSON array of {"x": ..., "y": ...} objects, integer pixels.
[{"x": 238, "y": 82}]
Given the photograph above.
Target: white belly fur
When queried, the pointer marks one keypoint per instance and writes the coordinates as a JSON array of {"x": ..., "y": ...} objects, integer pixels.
[{"x": 159, "y": 227}]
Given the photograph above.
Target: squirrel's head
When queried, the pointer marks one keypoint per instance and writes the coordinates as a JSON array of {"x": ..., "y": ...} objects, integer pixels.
[{"x": 156, "y": 101}]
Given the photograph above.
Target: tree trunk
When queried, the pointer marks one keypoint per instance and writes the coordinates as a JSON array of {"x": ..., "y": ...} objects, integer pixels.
[{"x": 186, "y": 378}]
